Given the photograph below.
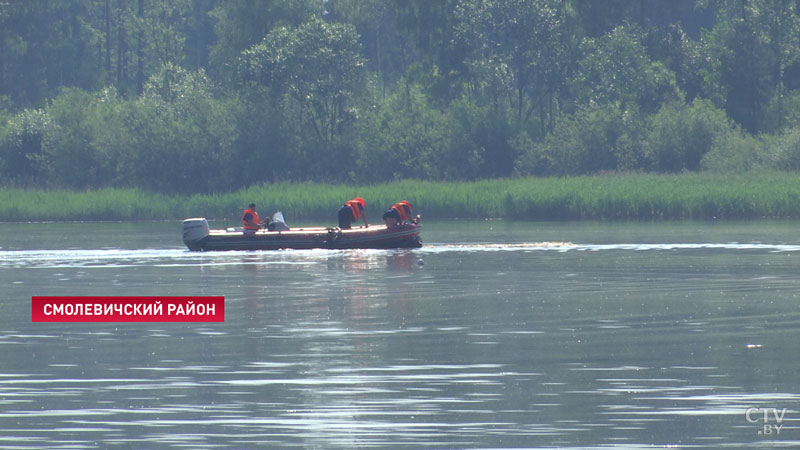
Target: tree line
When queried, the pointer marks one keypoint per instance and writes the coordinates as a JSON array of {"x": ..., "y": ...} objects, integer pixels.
[{"x": 213, "y": 95}]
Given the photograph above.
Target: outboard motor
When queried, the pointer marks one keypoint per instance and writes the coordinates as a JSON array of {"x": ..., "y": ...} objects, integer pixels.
[
  {"x": 194, "y": 231},
  {"x": 278, "y": 223}
]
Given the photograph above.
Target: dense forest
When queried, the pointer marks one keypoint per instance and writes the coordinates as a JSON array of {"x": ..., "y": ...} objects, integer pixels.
[{"x": 211, "y": 95}]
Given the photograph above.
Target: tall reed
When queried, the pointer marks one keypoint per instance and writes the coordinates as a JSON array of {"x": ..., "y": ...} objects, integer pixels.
[{"x": 614, "y": 196}]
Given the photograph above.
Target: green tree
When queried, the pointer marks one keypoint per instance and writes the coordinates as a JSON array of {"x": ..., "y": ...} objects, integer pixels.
[
  {"x": 432, "y": 54},
  {"x": 377, "y": 24},
  {"x": 781, "y": 26},
  {"x": 672, "y": 46},
  {"x": 745, "y": 69},
  {"x": 240, "y": 24},
  {"x": 46, "y": 44},
  {"x": 162, "y": 26},
  {"x": 598, "y": 17},
  {"x": 519, "y": 49},
  {"x": 319, "y": 70},
  {"x": 751, "y": 47},
  {"x": 616, "y": 68}
]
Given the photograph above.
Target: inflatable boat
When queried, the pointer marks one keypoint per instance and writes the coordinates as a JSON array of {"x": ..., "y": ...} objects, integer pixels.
[{"x": 199, "y": 237}]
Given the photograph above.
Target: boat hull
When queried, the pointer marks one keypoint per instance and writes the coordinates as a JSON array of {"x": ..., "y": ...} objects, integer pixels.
[{"x": 376, "y": 236}]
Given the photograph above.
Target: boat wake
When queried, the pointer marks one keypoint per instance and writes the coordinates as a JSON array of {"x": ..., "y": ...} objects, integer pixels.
[
  {"x": 179, "y": 257},
  {"x": 569, "y": 246},
  {"x": 97, "y": 258}
]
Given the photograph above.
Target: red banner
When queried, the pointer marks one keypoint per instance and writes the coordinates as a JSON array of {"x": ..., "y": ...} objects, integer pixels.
[{"x": 128, "y": 309}]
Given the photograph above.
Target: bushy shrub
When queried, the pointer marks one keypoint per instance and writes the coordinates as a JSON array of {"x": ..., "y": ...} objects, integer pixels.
[
  {"x": 679, "y": 135},
  {"x": 402, "y": 137},
  {"x": 592, "y": 140},
  {"x": 481, "y": 141},
  {"x": 737, "y": 151},
  {"x": 784, "y": 150},
  {"x": 21, "y": 146},
  {"x": 70, "y": 146},
  {"x": 782, "y": 112},
  {"x": 180, "y": 135},
  {"x": 264, "y": 148}
]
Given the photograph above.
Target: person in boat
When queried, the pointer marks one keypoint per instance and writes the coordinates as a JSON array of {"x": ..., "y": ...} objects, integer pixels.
[
  {"x": 251, "y": 221},
  {"x": 350, "y": 212},
  {"x": 399, "y": 214}
]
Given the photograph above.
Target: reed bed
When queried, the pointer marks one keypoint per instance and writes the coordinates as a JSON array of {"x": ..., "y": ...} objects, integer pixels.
[{"x": 614, "y": 196}]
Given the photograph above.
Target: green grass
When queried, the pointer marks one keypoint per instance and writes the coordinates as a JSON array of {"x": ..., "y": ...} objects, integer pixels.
[{"x": 636, "y": 196}]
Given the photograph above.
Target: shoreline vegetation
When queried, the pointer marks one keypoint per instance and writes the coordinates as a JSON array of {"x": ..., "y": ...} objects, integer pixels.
[
  {"x": 612, "y": 196},
  {"x": 566, "y": 105}
]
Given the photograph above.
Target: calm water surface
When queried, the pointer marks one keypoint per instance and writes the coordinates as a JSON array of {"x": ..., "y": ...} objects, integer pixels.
[{"x": 493, "y": 335}]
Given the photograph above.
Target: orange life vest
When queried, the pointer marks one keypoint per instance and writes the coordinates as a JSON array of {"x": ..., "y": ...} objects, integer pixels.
[
  {"x": 403, "y": 210},
  {"x": 251, "y": 224},
  {"x": 356, "y": 208}
]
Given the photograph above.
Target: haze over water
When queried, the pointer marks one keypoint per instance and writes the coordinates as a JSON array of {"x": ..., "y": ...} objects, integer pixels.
[{"x": 493, "y": 335}]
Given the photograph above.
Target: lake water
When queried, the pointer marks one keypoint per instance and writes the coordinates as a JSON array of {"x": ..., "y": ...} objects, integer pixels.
[{"x": 494, "y": 335}]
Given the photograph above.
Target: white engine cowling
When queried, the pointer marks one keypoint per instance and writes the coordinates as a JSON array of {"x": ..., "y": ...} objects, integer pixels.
[{"x": 194, "y": 230}]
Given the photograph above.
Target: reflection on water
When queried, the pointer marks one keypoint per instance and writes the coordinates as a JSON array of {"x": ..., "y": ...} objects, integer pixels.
[{"x": 506, "y": 337}]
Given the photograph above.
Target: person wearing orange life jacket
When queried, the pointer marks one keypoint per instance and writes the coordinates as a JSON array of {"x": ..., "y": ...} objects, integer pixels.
[
  {"x": 350, "y": 212},
  {"x": 398, "y": 214},
  {"x": 250, "y": 219}
]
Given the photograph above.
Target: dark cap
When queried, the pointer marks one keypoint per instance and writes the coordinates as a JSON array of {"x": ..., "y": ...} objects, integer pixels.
[{"x": 251, "y": 205}]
